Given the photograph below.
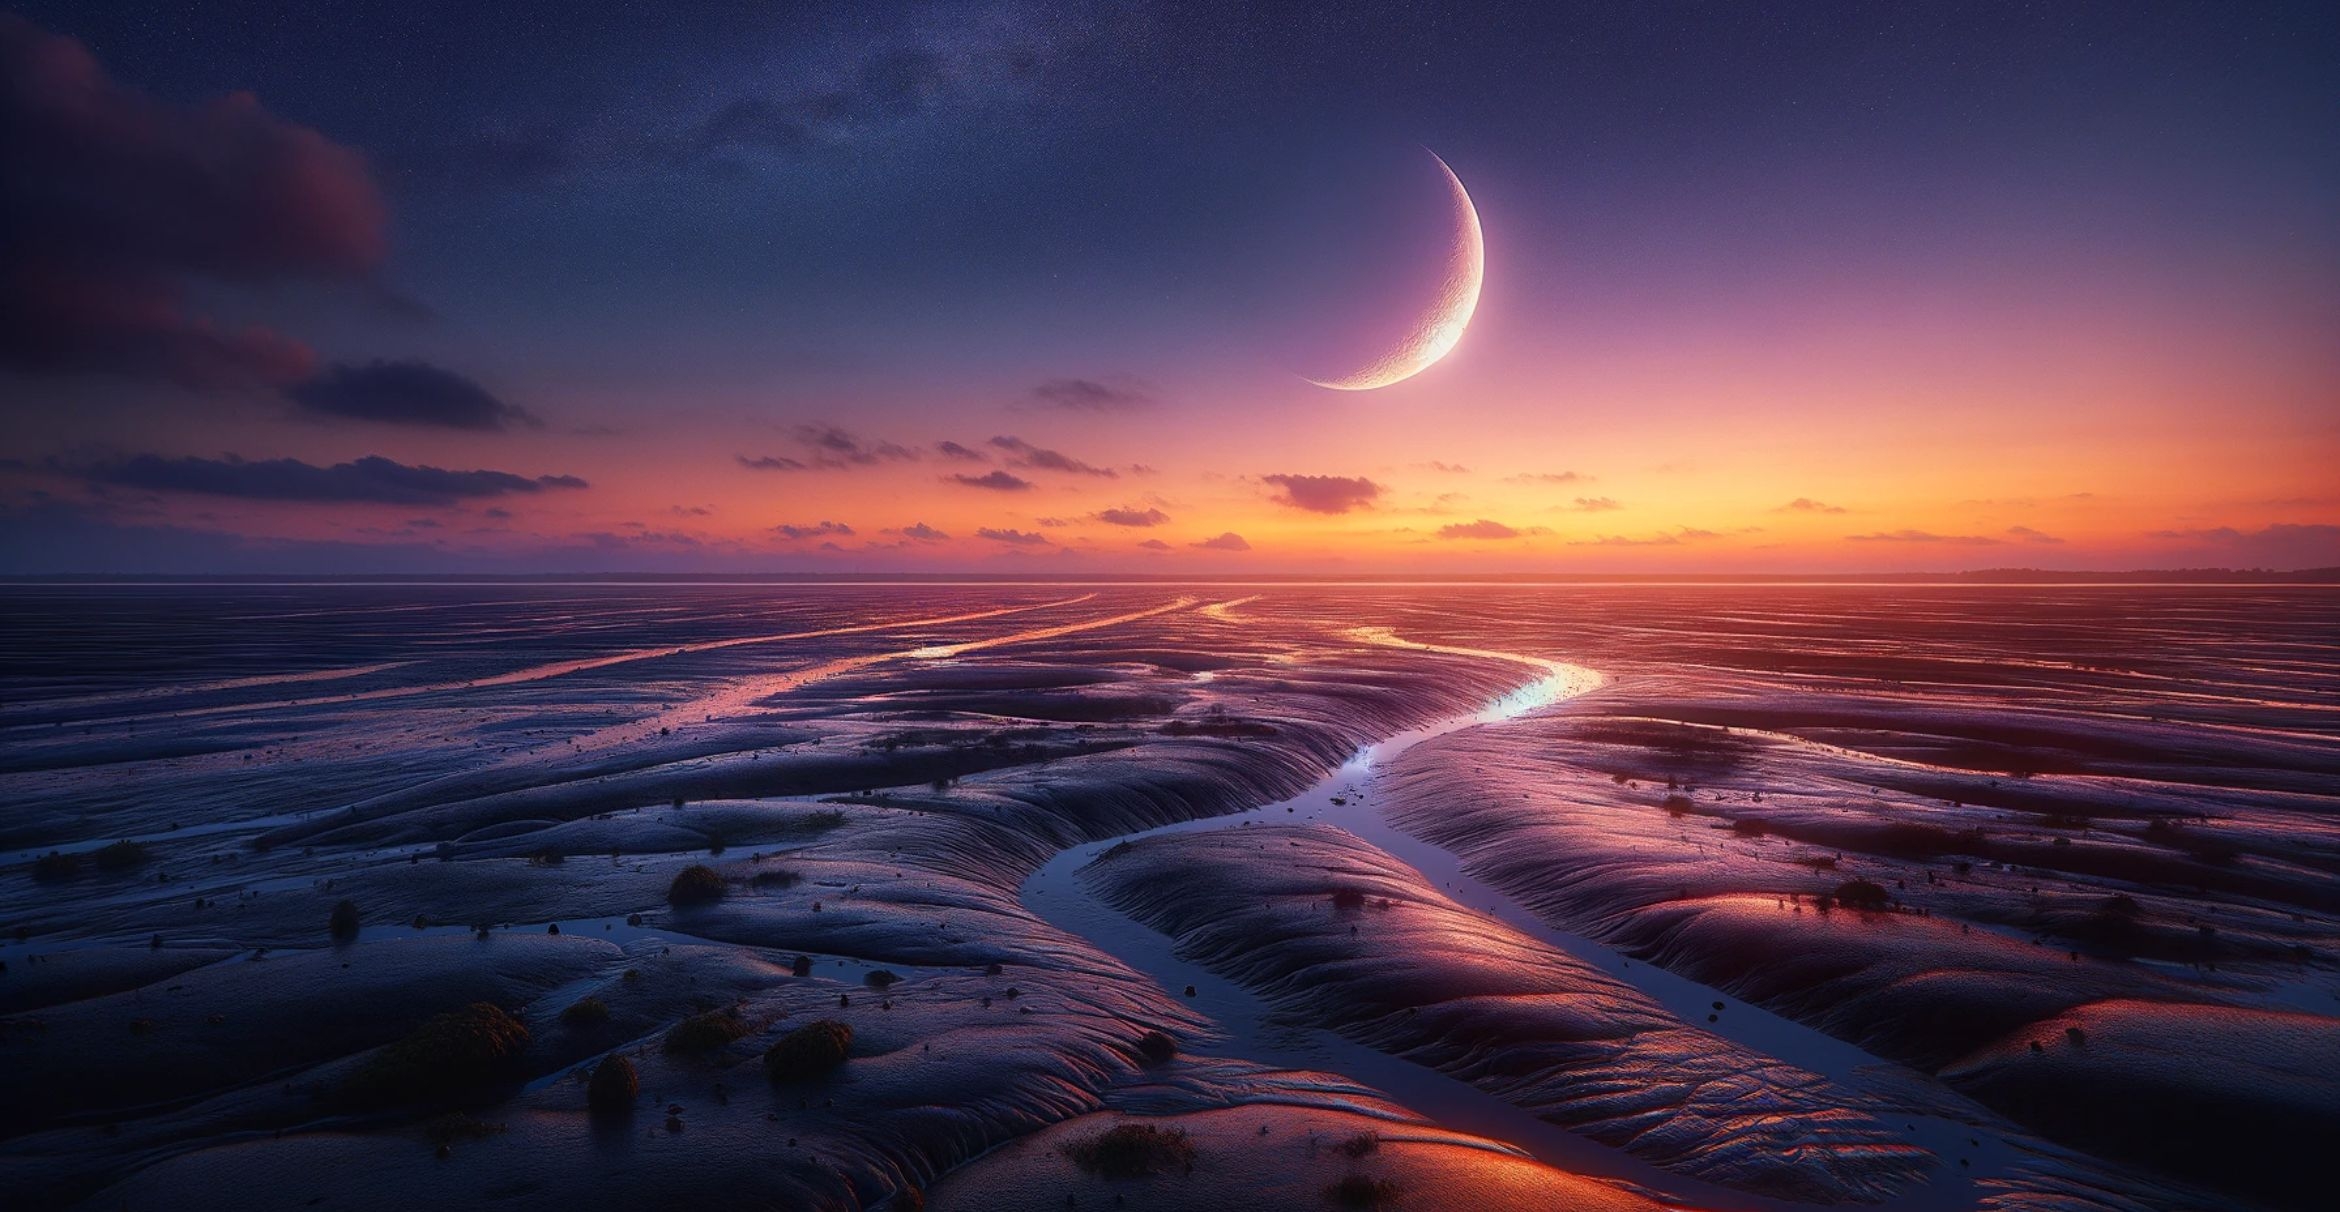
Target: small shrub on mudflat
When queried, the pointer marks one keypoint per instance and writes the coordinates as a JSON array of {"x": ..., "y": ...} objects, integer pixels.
[
  {"x": 809, "y": 1051},
  {"x": 697, "y": 884},
  {"x": 1364, "y": 1144},
  {"x": 1361, "y": 1191},
  {"x": 704, "y": 1033},
  {"x": 344, "y": 921},
  {"x": 56, "y": 866},
  {"x": 585, "y": 1013},
  {"x": 1133, "y": 1151},
  {"x": 448, "y": 1055},
  {"x": 1157, "y": 1048},
  {"x": 614, "y": 1087},
  {"x": 120, "y": 856},
  {"x": 1861, "y": 894},
  {"x": 880, "y": 979}
]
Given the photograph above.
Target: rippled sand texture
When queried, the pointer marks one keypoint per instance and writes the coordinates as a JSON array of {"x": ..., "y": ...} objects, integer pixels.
[{"x": 2099, "y": 823}]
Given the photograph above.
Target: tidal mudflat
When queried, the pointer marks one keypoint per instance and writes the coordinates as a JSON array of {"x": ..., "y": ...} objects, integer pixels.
[{"x": 1046, "y": 896}]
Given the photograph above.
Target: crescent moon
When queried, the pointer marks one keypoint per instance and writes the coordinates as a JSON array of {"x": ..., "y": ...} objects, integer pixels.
[{"x": 1441, "y": 324}]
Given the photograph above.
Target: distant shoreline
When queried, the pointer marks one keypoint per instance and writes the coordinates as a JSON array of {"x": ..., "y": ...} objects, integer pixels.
[{"x": 2042, "y": 578}]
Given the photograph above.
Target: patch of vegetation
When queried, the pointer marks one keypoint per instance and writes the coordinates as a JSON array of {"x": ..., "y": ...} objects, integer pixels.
[
  {"x": 449, "y": 1055},
  {"x": 455, "y": 1126},
  {"x": 1156, "y": 1048},
  {"x": 1862, "y": 894},
  {"x": 775, "y": 879},
  {"x": 1133, "y": 1151},
  {"x": 343, "y": 922},
  {"x": 613, "y": 1087},
  {"x": 1361, "y": 1191},
  {"x": 880, "y": 979},
  {"x": 1230, "y": 728},
  {"x": 697, "y": 884},
  {"x": 120, "y": 856},
  {"x": 1677, "y": 805},
  {"x": 701, "y": 1034},
  {"x": 809, "y": 1052},
  {"x": 584, "y": 1014},
  {"x": 1348, "y": 898},
  {"x": 1751, "y": 826},
  {"x": 1364, "y": 1144},
  {"x": 55, "y": 866},
  {"x": 818, "y": 821}
]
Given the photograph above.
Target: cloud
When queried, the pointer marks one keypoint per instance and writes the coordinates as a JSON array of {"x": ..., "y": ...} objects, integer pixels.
[
  {"x": 2281, "y": 545},
  {"x": 1013, "y": 538},
  {"x": 1155, "y": 545},
  {"x": 923, "y": 533},
  {"x": 1922, "y": 536},
  {"x": 1547, "y": 477},
  {"x": 963, "y": 454},
  {"x": 1808, "y": 505},
  {"x": 1131, "y": 517},
  {"x": 692, "y": 511},
  {"x": 1229, "y": 541},
  {"x": 1090, "y": 395},
  {"x": 2028, "y": 535},
  {"x": 1481, "y": 529},
  {"x": 406, "y": 393},
  {"x": 814, "y": 531},
  {"x": 1023, "y": 454},
  {"x": 828, "y": 448},
  {"x": 891, "y": 83},
  {"x": 837, "y": 448},
  {"x": 1324, "y": 494},
  {"x": 1686, "y": 534},
  {"x": 372, "y": 478},
  {"x": 997, "y": 481},
  {"x": 114, "y": 202},
  {"x": 1443, "y": 468},
  {"x": 1595, "y": 504}
]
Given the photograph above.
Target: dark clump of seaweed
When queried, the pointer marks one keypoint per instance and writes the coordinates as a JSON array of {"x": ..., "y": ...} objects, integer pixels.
[
  {"x": 1862, "y": 894},
  {"x": 808, "y": 1052},
  {"x": 1133, "y": 1151},
  {"x": 450, "y": 1055},
  {"x": 701, "y": 1034},
  {"x": 697, "y": 884},
  {"x": 343, "y": 921},
  {"x": 1157, "y": 1048},
  {"x": 120, "y": 856},
  {"x": 613, "y": 1087},
  {"x": 1361, "y": 1191}
]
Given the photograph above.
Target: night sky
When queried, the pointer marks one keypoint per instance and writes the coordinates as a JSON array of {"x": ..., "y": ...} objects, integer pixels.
[{"x": 1032, "y": 287}]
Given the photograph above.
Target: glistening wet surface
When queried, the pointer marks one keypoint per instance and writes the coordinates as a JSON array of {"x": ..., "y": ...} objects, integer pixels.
[{"x": 1755, "y": 897}]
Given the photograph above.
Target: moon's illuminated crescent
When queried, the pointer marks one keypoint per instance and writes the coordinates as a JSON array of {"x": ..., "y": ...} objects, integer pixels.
[{"x": 1441, "y": 325}]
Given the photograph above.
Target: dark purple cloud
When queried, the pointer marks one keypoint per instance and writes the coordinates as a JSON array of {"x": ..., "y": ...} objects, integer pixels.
[
  {"x": 1090, "y": 395},
  {"x": 1230, "y": 541},
  {"x": 1481, "y": 529},
  {"x": 1155, "y": 545},
  {"x": 372, "y": 478},
  {"x": 997, "y": 481},
  {"x": 1131, "y": 517},
  {"x": 814, "y": 531},
  {"x": 964, "y": 454},
  {"x": 406, "y": 393},
  {"x": 1324, "y": 494},
  {"x": 1923, "y": 536},
  {"x": 923, "y": 533},
  {"x": 773, "y": 463},
  {"x": 2282, "y": 545},
  {"x": 112, "y": 202},
  {"x": 1023, "y": 454},
  {"x": 1013, "y": 538}
]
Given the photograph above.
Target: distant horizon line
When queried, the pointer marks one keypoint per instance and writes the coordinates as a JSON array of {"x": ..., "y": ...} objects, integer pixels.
[{"x": 1981, "y": 576}]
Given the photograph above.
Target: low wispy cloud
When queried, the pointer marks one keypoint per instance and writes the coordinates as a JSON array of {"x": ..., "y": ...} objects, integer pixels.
[
  {"x": 1091, "y": 395},
  {"x": 923, "y": 533},
  {"x": 2281, "y": 545},
  {"x": 1484, "y": 528},
  {"x": 370, "y": 479},
  {"x": 2028, "y": 535},
  {"x": 814, "y": 531},
  {"x": 1595, "y": 505},
  {"x": 1548, "y": 477},
  {"x": 1808, "y": 505},
  {"x": 1021, "y": 453},
  {"x": 406, "y": 393},
  {"x": 1923, "y": 536},
  {"x": 1230, "y": 541},
  {"x": 963, "y": 454},
  {"x": 996, "y": 481},
  {"x": 829, "y": 448},
  {"x": 1324, "y": 494},
  {"x": 1131, "y": 517},
  {"x": 1155, "y": 545},
  {"x": 1013, "y": 538}
]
